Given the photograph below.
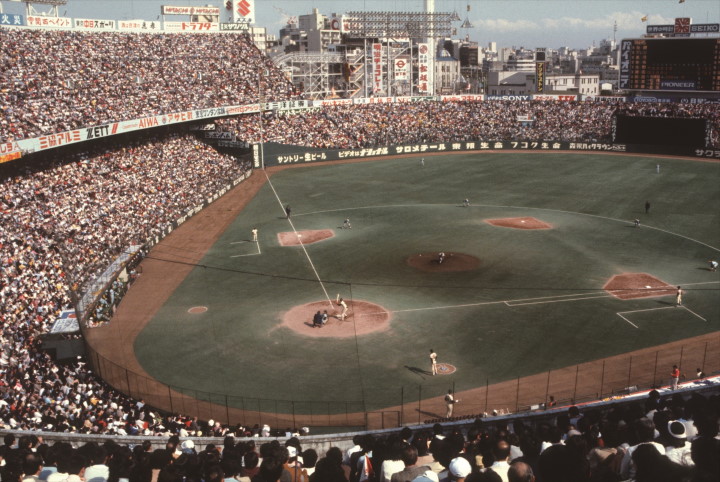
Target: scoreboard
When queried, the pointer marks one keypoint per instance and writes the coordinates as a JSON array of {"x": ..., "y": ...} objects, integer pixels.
[{"x": 679, "y": 64}]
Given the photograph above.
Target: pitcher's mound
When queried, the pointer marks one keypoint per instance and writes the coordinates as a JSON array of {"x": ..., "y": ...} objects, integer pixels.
[
  {"x": 519, "y": 223},
  {"x": 292, "y": 238},
  {"x": 452, "y": 262},
  {"x": 362, "y": 318},
  {"x": 628, "y": 286}
]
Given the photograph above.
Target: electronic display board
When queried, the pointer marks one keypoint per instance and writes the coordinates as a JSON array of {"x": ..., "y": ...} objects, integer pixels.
[{"x": 670, "y": 64}]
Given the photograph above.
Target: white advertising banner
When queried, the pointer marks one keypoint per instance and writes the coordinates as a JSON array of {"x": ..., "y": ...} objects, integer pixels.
[
  {"x": 168, "y": 10},
  {"x": 49, "y": 22},
  {"x": 66, "y": 322},
  {"x": 145, "y": 25},
  {"x": 402, "y": 69},
  {"x": 376, "y": 54},
  {"x": 424, "y": 74},
  {"x": 243, "y": 11},
  {"x": 191, "y": 26},
  {"x": 90, "y": 24}
]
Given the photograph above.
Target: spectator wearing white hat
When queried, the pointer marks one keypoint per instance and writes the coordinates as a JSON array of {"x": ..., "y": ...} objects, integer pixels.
[
  {"x": 679, "y": 450},
  {"x": 459, "y": 469}
]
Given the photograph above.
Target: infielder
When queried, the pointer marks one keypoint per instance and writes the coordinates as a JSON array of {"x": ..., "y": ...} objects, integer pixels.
[
  {"x": 450, "y": 401},
  {"x": 254, "y": 234}
]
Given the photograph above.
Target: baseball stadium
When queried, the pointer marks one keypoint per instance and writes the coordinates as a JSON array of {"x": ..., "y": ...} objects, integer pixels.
[{"x": 209, "y": 249}]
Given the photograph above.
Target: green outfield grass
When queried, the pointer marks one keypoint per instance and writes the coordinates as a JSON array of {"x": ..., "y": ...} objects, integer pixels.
[{"x": 399, "y": 208}]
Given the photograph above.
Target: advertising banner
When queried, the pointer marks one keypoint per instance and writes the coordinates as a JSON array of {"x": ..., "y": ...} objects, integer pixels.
[
  {"x": 168, "y": 10},
  {"x": 234, "y": 27},
  {"x": 462, "y": 98},
  {"x": 49, "y": 22},
  {"x": 66, "y": 322},
  {"x": 12, "y": 19},
  {"x": 243, "y": 11},
  {"x": 138, "y": 25},
  {"x": 540, "y": 77},
  {"x": 90, "y": 24},
  {"x": 402, "y": 69},
  {"x": 191, "y": 26},
  {"x": 376, "y": 54},
  {"x": 557, "y": 98},
  {"x": 423, "y": 81},
  {"x": 678, "y": 85},
  {"x": 625, "y": 51}
]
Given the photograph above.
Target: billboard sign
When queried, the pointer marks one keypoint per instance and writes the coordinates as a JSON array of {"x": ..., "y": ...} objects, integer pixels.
[
  {"x": 243, "y": 11},
  {"x": 376, "y": 55},
  {"x": 402, "y": 69},
  {"x": 49, "y": 22},
  {"x": 540, "y": 77},
  {"x": 234, "y": 27},
  {"x": 138, "y": 25},
  {"x": 192, "y": 26},
  {"x": 423, "y": 81},
  {"x": 12, "y": 19},
  {"x": 211, "y": 11},
  {"x": 90, "y": 24}
]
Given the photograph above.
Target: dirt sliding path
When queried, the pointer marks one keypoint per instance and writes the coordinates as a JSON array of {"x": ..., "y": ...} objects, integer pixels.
[{"x": 168, "y": 264}]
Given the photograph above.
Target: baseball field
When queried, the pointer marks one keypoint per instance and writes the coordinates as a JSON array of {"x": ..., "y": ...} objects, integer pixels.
[{"x": 544, "y": 270}]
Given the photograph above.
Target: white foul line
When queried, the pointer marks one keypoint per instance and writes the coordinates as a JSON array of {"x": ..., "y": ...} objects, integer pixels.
[
  {"x": 691, "y": 311},
  {"x": 512, "y": 303},
  {"x": 633, "y": 324},
  {"x": 302, "y": 245}
]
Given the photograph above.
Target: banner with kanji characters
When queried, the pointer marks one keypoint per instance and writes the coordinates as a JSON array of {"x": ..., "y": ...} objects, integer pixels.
[
  {"x": 90, "y": 24},
  {"x": 377, "y": 56},
  {"x": 401, "y": 69},
  {"x": 49, "y": 22},
  {"x": 12, "y": 20},
  {"x": 423, "y": 80}
]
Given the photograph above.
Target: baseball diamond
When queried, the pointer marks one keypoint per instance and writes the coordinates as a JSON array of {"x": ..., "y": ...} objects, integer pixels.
[{"x": 519, "y": 303}]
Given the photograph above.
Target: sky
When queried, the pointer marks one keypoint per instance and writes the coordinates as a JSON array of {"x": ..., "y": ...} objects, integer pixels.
[{"x": 511, "y": 23}]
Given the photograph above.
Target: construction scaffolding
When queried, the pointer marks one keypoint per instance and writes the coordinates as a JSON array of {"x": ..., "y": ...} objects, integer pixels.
[{"x": 380, "y": 57}]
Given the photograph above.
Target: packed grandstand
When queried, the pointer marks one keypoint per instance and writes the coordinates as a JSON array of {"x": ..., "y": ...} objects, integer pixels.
[{"x": 66, "y": 215}]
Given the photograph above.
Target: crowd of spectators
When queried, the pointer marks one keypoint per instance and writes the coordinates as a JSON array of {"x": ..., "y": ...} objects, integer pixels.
[
  {"x": 372, "y": 125},
  {"x": 62, "y": 223},
  {"x": 55, "y": 80},
  {"x": 66, "y": 218},
  {"x": 672, "y": 439}
]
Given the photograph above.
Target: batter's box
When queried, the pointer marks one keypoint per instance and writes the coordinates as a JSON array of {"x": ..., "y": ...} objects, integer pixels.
[
  {"x": 246, "y": 248},
  {"x": 654, "y": 316}
]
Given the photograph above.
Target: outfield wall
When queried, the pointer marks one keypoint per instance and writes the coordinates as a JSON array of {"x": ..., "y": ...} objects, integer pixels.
[{"x": 273, "y": 154}]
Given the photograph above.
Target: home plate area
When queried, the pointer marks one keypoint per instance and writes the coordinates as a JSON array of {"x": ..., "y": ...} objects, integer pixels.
[{"x": 629, "y": 286}]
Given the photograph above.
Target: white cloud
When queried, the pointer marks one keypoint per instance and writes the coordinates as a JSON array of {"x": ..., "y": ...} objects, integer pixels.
[{"x": 625, "y": 21}]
